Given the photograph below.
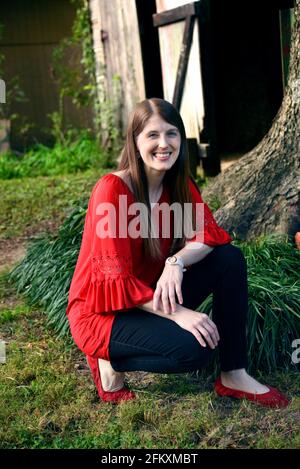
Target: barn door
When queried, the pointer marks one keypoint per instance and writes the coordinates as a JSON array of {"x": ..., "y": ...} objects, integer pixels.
[{"x": 185, "y": 50}]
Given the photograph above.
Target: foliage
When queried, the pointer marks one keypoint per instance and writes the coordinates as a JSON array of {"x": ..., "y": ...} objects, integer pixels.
[
  {"x": 56, "y": 257},
  {"x": 75, "y": 80},
  {"x": 274, "y": 300},
  {"x": 79, "y": 152},
  {"x": 90, "y": 93},
  {"x": 70, "y": 79}
]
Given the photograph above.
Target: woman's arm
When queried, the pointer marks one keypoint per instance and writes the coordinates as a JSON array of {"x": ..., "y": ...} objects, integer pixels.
[
  {"x": 170, "y": 280},
  {"x": 159, "y": 312},
  {"x": 199, "y": 324},
  {"x": 193, "y": 252}
]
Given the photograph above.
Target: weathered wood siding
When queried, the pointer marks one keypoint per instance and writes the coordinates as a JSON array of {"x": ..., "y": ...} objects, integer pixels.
[
  {"x": 170, "y": 37},
  {"x": 32, "y": 29},
  {"x": 118, "y": 53}
]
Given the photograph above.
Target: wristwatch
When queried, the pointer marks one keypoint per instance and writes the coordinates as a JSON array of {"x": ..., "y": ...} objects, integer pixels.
[{"x": 174, "y": 260}]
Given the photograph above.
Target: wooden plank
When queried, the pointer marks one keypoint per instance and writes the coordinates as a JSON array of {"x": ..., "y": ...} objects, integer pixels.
[
  {"x": 176, "y": 14},
  {"x": 196, "y": 105},
  {"x": 170, "y": 38},
  {"x": 118, "y": 56},
  {"x": 183, "y": 61}
]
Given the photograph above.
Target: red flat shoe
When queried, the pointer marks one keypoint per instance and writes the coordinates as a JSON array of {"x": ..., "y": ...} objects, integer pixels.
[
  {"x": 272, "y": 398},
  {"x": 123, "y": 394}
]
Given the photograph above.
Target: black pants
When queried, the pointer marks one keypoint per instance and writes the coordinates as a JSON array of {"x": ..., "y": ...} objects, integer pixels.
[{"x": 142, "y": 341}]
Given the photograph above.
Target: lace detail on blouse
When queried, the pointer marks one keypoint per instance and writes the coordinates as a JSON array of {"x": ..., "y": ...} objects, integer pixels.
[{"x": 110, "y": 265}]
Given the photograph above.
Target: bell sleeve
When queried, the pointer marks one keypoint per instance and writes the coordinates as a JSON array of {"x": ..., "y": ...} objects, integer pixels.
[
  {"x": 210, "y": 232},
  {"x": 113, "y": 285}
]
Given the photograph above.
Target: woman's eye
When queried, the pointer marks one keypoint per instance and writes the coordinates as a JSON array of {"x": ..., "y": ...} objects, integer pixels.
[{"x": 173, "y": 133}]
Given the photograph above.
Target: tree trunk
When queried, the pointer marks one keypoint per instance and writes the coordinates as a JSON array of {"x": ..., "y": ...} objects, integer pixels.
[{"x": 260, "y": 193}]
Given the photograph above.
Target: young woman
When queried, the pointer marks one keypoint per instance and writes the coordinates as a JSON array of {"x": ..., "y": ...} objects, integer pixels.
[{"x": 137, "y": 283}]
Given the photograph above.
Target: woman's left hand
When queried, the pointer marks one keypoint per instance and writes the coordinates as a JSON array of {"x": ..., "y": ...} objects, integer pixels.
[{"x": 168, "y": 283}]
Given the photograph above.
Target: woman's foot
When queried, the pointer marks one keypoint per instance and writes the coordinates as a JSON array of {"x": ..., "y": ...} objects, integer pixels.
[
  {"x": 241, "y": 381},
  {"x": 111, "y": 380},
  {"x": 238, "y": 384},
  {"x": 123, "y": 394}
]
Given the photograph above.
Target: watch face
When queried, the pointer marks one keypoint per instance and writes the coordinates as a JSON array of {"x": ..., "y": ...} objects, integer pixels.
[{"x": 173, "y": 259}]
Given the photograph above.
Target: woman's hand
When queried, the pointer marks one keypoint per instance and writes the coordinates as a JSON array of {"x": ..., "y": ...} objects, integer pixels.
[
  {"x": 200, "y": 325},
  {"x": 168, "y": 283}
]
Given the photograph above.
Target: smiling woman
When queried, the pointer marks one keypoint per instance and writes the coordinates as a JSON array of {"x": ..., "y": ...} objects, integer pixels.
[
  {"x": 158, "y": 142},
  {"x": 122, "y": 304}
]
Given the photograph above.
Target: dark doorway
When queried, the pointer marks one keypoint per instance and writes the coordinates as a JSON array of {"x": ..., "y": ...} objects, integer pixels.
[
  {"x": 247, "y": 71},
  {"x": 150, "y": 48}
]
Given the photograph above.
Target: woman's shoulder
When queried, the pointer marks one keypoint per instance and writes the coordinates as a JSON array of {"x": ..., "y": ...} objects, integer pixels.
[
  {"x": 109, "y": 185},
  {"x": 109, "y": 180},
  {"x": 124, "y": 176}
]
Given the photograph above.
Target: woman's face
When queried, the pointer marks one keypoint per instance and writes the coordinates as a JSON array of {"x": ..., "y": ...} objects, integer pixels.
[{"x": 158, "y": 144}]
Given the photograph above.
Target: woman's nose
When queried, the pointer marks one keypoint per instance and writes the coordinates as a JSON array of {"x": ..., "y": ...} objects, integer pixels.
[{"x": 163, "y": 143}]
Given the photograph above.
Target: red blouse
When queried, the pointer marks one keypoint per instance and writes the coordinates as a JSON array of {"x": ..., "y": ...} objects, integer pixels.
[{"x": 112, "y": 273}]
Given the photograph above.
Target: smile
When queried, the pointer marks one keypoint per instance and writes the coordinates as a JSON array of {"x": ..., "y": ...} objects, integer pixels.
[{"x": 162, "y": 156}]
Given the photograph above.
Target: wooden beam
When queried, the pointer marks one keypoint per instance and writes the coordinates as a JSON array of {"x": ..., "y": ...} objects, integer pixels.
[
  {"x": 183, "y": 61},
  {"x": 176, "y": 14}
]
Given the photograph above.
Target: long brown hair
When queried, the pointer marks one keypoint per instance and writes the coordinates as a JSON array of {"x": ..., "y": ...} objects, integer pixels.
[{"x": 176, "y": 178}]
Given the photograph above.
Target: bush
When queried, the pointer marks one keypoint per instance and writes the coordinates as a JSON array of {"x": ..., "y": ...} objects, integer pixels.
[
  {"x": 78, "y": 154},
  {"x": 45, "y": 273},
  {"x": 273, "y": 278},
  {"x": 274, "y": 300}
]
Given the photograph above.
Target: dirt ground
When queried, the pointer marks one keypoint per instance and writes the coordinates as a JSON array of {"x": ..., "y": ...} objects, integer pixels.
[{"x": 12, "y": 250}]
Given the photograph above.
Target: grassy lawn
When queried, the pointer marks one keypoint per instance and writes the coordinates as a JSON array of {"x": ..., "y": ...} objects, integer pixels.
[
  {"x": 33, "y": 205},
  {"x": 48, "y": 399}
]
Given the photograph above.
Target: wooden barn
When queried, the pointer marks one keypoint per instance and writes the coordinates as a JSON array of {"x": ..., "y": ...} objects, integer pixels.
[
  {"x": 32, "y": 29},
  {"x": 222, "y": 65}
]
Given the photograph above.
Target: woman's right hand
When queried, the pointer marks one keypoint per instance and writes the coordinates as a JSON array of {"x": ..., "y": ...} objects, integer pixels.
[{"x": 200, "y": 325}]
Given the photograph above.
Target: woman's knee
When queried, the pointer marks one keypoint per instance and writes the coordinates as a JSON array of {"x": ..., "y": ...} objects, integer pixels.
[
  {"x": 191, "y": 352},
  {"x": 230, "y": 255}
]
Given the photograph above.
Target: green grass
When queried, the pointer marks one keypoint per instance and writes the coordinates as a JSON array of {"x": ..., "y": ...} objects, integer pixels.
[
  {"x": 34, "y": 205},
  {"x": 79, "y": 152},
  {"x": 48, "y": 400}
]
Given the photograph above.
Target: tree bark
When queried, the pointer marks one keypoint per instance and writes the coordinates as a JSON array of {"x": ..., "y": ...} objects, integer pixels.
[{"x": 260, "y": 194}]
